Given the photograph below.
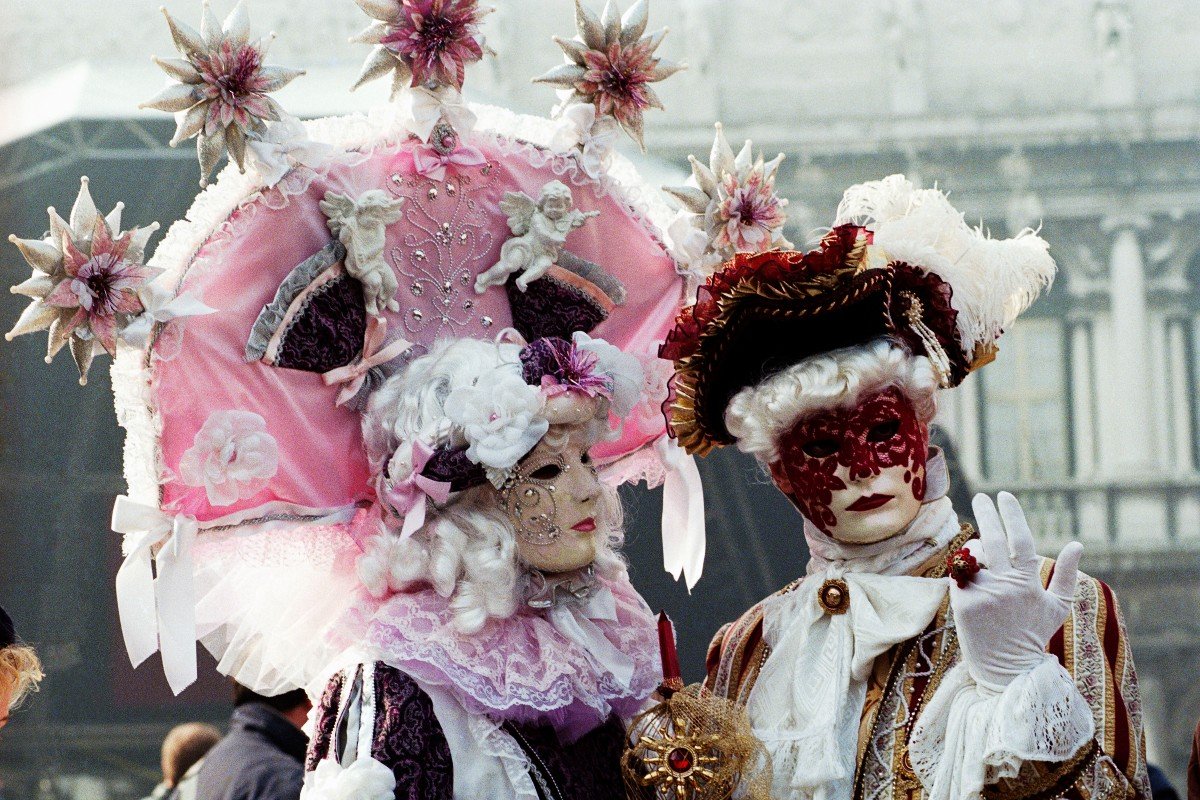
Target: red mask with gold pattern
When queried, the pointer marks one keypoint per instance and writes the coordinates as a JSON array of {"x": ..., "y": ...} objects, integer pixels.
[{"x": 856, "y": 473}]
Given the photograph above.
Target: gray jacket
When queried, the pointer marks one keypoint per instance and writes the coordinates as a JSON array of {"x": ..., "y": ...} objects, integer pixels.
[{"x": 261, "y": 758}]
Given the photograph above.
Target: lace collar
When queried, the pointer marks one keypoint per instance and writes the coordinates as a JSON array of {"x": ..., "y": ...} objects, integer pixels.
[{"x": 526, "y": 668}]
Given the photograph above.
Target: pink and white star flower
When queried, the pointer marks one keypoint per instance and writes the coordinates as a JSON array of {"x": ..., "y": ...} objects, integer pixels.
[
  {"x": 222, "y": 94},
  {"x": 733, "y": 202},
  {"x": 422, "y": 42},
  {"x": 611, "y": 65},
  {"x": 85, "y": 282}
]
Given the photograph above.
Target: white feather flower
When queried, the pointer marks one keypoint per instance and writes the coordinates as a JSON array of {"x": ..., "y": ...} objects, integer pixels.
[{"x": 625, "y": 369}]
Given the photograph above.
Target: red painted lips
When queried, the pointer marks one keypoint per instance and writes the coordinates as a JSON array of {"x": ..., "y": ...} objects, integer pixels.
[
  {"x": 585, "y": 526},
  {"x": 870, "y": 502}
]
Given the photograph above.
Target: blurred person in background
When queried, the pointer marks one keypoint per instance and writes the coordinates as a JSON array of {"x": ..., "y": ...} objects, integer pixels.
[
  {"x": 262, "y": 756},
  {"x": 20, "y": 669},
  {"x": 183, "y": 752}
]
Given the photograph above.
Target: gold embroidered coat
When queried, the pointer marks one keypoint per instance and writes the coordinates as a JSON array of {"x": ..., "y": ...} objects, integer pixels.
[{"x": 1092, "y": 645}]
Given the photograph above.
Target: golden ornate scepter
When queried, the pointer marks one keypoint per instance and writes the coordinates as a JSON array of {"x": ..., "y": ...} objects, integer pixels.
[{"x": 692, "y": 745}]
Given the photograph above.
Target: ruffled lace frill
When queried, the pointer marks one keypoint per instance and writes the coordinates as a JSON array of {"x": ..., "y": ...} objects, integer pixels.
[
  {"x": 970, "y": 736},
  {"x": 521, "y": 668}
]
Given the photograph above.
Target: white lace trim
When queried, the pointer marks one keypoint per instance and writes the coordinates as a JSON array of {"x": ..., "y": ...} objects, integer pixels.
[
  {"x": 495, "y": 743},
  {"x": 969, "y": 736}
]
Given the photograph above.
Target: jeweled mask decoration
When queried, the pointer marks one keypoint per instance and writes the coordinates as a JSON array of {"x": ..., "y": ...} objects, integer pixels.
[
  {"x": 552, "y": 498},
  {"x": 857, "y": 473}
]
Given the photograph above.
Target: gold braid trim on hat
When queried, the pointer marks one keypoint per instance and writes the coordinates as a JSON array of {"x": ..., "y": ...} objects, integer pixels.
[{"x": 793, "y": 297}]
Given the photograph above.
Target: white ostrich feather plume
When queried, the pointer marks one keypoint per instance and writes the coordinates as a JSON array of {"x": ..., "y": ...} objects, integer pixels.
[{"x": 992, "y": 280}]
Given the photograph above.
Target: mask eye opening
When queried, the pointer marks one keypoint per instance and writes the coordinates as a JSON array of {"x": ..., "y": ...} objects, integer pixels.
[
  {"x": 884, "y": 431},
  {"x": 820, "y": 448},
  {"x": 546, "y": 472}
]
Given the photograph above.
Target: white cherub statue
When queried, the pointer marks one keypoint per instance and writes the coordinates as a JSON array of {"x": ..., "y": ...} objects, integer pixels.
[
  {"x": 360, "y": 224},
  {"x": 539, "y": 232}
]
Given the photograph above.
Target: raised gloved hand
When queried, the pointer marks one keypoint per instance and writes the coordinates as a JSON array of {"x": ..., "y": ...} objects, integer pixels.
[{"x": 1003, "y": 615}]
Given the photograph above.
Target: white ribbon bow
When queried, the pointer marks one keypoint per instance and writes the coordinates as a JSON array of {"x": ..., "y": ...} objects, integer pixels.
[
  {"x": 805, "y": 705},
  {"x": 285, "y": 146},
  {"x": 683, "y": 528},
  {"x": 157, "y": 614},
  {"x": 594, "y": 137},
  {"x": 573, "y": 619},
  {"x": 426, "y": 107},
  {"x": 162, "y": 305}
]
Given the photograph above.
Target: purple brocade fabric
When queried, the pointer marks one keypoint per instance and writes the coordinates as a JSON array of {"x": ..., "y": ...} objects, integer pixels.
[
  {"x": 550, "y": 307},
  {"x": 453, "y": 467},
  {"x": 327, "y": 332},
  {"x": 409, "y": 739},
  {"x": 543, "y": 357},
  {"x": 587, "y": 769},
  {"x": 327, "y": 715}
]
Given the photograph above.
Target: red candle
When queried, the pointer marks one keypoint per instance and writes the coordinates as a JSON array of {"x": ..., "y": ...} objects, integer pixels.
[{"x": 672, "y": 678}]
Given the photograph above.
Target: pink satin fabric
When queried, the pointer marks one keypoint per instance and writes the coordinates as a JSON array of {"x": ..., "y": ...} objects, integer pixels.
[{"x": 237, "y": 272}]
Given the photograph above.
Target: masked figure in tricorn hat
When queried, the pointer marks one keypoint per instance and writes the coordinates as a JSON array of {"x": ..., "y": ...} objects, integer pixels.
[{"x": 913, "y": 658}]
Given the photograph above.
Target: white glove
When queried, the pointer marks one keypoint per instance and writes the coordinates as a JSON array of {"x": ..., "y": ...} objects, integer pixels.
[{"x": 1003, "y": 615}]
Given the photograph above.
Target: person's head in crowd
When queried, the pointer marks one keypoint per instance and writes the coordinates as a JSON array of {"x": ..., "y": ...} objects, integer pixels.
[
  {"x": 184, "y": 746},
  {"x": 20, "y": 669},
  {"x": 293, "y": 706}
]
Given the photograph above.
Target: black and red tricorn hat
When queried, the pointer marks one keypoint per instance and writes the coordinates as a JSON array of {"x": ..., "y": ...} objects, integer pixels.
[{"x": 764, "y": 312}]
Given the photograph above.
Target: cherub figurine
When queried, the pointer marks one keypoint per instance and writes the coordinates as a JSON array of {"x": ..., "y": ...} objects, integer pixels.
[
  {"x": 539, "y": 232},
  {"x": 360, "y": 223}
]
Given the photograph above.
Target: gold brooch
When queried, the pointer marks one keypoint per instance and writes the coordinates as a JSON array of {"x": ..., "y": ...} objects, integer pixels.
[{"x": 834, "y": 596}]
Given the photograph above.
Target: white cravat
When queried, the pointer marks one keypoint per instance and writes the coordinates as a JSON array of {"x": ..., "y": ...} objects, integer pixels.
[{"x": 807, "y": 702}]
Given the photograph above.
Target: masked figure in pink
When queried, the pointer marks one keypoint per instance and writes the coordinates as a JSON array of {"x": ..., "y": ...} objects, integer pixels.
[
  {"x": 915, "y": 657},
  {"x": 497, "y": 643}
]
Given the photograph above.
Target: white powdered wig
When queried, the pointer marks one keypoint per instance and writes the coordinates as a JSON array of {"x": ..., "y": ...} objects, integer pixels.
[
  {"x": 467, "y": 548},
  {"x": 993, "y": 280},
  {"x": 759, "y": 415}
]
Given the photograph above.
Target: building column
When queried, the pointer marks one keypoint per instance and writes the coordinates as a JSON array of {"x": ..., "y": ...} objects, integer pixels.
[
  {"x": 1131, "y": 431},
  {"x": 1083, "y": 397},
  {"x": 1180, "y": 399}
]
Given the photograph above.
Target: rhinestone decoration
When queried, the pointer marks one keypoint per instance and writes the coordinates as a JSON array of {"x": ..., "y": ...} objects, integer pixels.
[{"x": 442, "y": 248}]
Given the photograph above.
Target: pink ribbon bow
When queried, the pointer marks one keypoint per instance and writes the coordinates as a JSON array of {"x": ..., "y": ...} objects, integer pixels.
[
  {"x": 354, "y": 374},
  {"x": 410, "y": 495},
  {"x": 427, "y": 161}
]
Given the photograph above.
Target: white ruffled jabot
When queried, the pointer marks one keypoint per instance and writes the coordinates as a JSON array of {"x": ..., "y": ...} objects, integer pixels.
[{"x": 807, "y": 701}]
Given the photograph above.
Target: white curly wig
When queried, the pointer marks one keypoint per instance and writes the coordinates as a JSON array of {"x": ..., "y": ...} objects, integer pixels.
[
  {"x": 759, "y": 415},
  {"x": 467, "y": 548}
]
